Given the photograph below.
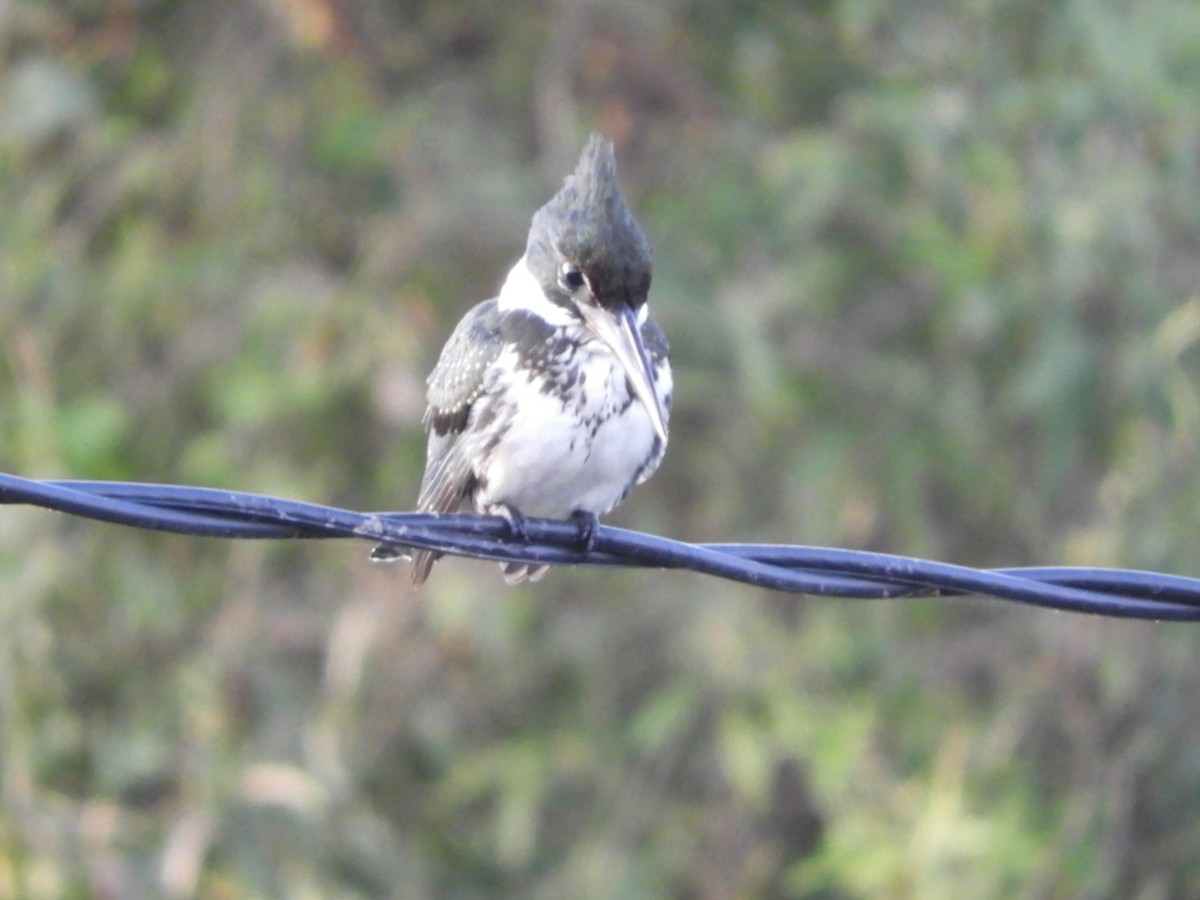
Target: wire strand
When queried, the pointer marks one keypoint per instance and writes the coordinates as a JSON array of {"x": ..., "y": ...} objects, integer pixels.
[{"x": 829, "y": 572}]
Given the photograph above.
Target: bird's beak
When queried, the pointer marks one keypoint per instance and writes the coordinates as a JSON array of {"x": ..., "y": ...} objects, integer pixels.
[{"x": 621, "y": 332}]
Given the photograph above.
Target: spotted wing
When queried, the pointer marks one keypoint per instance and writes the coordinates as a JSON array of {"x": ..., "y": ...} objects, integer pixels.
[
  {"x": 454, "y": 385},
  {"x": 654, "y": 339}
]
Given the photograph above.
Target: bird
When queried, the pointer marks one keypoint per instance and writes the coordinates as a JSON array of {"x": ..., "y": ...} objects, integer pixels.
[{"x": 553, "y": 398}]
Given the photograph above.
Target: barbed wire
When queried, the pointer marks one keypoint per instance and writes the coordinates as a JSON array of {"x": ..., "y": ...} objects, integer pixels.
[{"x": 821, "y": 571}]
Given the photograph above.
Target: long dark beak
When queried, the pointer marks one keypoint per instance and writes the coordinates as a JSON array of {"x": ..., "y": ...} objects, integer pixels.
[{"x": 621, "y": 332}]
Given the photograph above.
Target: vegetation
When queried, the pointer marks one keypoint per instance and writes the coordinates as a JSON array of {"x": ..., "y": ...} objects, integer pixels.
[{"x": 929, "y": 272}]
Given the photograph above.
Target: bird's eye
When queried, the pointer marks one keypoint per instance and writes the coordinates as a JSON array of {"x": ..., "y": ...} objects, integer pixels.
[{"x": 570, "y": 277}]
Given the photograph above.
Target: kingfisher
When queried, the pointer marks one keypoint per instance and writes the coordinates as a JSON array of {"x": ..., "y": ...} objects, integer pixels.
[{"x": 552, "y": 399}]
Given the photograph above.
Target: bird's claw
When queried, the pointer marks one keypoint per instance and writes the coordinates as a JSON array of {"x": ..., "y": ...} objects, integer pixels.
[
  {"x": 588, "y": 523},
  {"x": 515, "y": 520}
]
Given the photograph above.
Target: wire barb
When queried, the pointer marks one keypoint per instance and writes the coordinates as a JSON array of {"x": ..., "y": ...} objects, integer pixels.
[{"x": 828, "y": 572}]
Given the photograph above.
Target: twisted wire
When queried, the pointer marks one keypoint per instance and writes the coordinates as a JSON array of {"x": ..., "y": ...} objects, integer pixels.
[{"x": 821, "y": 571}]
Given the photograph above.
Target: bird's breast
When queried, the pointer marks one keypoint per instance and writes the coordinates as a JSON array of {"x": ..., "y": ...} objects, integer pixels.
[{"x": 562, "y": 434}]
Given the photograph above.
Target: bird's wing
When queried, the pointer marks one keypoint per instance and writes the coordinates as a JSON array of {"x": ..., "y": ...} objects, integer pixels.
[
  {"x": 454, "y": 385},
  {"x": 654, "y": 339}
]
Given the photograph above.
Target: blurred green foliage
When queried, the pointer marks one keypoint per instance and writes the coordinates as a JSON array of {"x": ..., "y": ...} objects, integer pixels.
[{"x": 930, "y": 274}]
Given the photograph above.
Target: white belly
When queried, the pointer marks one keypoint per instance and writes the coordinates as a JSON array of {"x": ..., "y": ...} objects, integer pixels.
[{"x": 554, "y": 458}]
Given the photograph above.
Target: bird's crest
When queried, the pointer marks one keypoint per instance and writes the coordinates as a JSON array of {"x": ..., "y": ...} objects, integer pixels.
[{"x": 588, "y": 223}]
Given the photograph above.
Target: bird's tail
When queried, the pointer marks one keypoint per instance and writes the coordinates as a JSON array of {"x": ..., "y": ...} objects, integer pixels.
[
  {"x": 516, "y": 573},
  {"x": 422, "y": 565}
]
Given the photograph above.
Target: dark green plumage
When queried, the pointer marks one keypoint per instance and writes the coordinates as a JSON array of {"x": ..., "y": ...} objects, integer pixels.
[{"x": 588, "y": 223}]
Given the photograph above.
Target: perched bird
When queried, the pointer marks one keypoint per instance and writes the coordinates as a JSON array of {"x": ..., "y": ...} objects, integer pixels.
[{"x": 552, "y": 398}]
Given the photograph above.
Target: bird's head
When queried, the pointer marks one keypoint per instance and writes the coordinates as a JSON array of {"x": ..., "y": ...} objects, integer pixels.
[{"x": 591, "y": 258}]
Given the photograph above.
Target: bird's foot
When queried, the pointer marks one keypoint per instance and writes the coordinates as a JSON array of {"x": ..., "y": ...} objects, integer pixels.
[
  {"x": 516, "y": 572},
  {"x": 514, "y": 518},
  {"x": 588, "y": 523}
]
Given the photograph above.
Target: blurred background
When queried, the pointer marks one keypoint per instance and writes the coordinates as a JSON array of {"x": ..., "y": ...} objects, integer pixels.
[{"x": 930, "y": 275}]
